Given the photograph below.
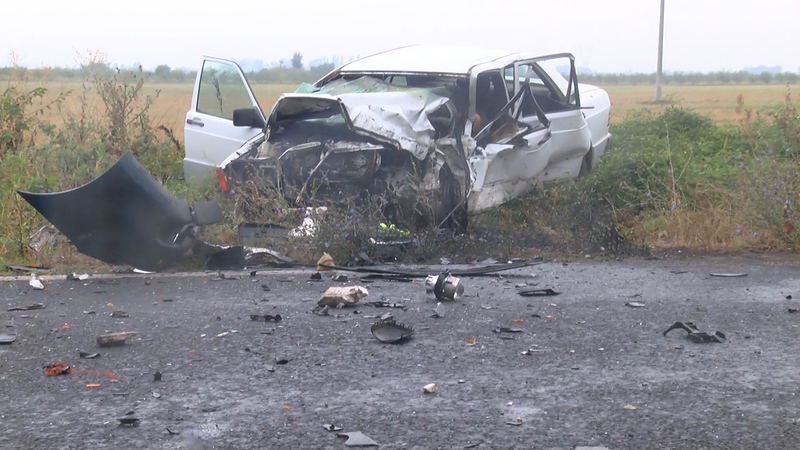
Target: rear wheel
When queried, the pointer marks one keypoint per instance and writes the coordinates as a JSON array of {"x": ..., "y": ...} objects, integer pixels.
[{"x": 586, "y": 163}]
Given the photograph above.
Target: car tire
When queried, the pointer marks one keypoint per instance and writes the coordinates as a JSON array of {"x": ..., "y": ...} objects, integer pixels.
[
  {"x": 586, "y": 163},
  {"x": 449, "y": 203}
]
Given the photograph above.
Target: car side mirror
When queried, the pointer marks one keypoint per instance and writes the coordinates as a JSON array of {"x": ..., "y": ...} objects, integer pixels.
[{"x": 248, "y": 117}]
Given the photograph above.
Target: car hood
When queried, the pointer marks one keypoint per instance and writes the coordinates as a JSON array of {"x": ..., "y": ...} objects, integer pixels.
[{"x": 397, "y": 115}]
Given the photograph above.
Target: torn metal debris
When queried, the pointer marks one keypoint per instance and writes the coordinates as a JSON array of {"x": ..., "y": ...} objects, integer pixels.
[
  {"x": 537, "y": 292},
  {"x": 389, "y": 331},
  {"x": 696, "y": 335}
]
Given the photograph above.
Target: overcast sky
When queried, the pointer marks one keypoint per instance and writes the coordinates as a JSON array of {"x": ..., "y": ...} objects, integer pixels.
[{"x": 604, "y": 35}]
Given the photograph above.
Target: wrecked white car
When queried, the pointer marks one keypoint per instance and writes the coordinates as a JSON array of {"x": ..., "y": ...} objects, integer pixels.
[{"x": 437, "y": 132}]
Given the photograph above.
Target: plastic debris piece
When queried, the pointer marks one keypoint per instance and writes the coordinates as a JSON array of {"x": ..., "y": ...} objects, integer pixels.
[
  {"x": 728, "y": 275},
  {"x": 342, "y": 295},
  {"x": 537, "y": 292},
  {"x": 266, "y": 317},
  {"x": 114, "y": 339},
  {"x": 119, "y": 313},
  {"x": 128, "y": 421},
  {"x": 429, "y": 388},
  {"x": 695, "y": 335},
  {"x": 65, "y": 326},
  {"x": 325, "y": 260},
  {"x": 438, "y": 313},
  {"x": 27, "y": 307},
  {"x": 340, "y": 277},
  {"x": 7, "y": 338},
  {"x": 357, "y": 439},
  {"x": 88, "y": 355},
  {"x": 223, "y": 334},
  {"x": 794, "y": 310},
  {"x": 316, "y": 276},
  {"x": 630, "y": 407},
  {"x": 57, "y": 368},
  {"x": 635, "y": 304},
  {"x": 391, "y": 332},
  {"x": 331, "y": 427},
  {"x": 35, "y": 283},
  {"x": 92, "y": 385},
  {"x": 515, "y": 423},
  {"x": 157, "y": 376},
  {"x": 507, "y": 330},
  {"x": 470, "y": 340},
  {"x": 385, "y": 304}
]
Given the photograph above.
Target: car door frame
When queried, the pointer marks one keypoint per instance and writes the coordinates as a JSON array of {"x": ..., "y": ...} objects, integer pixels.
[{"x": 209, "y": 139}]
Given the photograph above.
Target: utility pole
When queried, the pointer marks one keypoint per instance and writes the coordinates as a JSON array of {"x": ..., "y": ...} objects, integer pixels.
[{"x": 660, "y": 51}]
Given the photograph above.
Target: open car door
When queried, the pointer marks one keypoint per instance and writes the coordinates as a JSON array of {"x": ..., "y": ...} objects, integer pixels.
[
  {"x": 538, "y": 134},
  {"x": 209, "y": 133}
]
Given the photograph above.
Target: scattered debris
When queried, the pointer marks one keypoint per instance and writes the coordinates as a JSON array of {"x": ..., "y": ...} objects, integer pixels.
[
  {"x": 515, "y": 423},
  {"x": 119, "y": 313},
  {"x": 390, "y": 331},
  {"x": 357, "y": 439},
  {"x": 57, "y": 368},
  {"x": 157, "y": 376},
  {"x": 16, "y": 268},
  {"x": 794, "y": 309},
  {"x": 114, "y": 339},
  {"x": 531, "y": 351},
  {"x": 7, "y": 338},
  {"x": 316, "y": 276},
  {"x": 340, "y": 277},
  {"x": 345, "y": 296},
  {"x": 429, "y": 388},
  {"x": 630, "y": 407},
  {"x": 331, "y": 427},
  {"x": 385, "y": 304},
  {"x": 88, "y": 355},
  {"x": 695, "y": 335},
  {"x": 128, "y": 421},
  {"x": 266, "y": 317},
  {"x": 72, "y": 276},
  {"x": 444, "y": 286},
  {"x": 635, "y": 304},
  {"x": 728, "y": 275},
  {"x": 537, "y": 292},
  {"x": 35, "y": 283},
  {"x": 27, "y": 307},
  {"x": 438, "y": 313},
  {"x": 44, "y": 236},
  {"x": 507, "y": 330},
  {"x": 92, "y": 385}
]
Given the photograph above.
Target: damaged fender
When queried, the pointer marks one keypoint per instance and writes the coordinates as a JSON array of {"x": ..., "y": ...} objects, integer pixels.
[{"x": 125, "y": 216}]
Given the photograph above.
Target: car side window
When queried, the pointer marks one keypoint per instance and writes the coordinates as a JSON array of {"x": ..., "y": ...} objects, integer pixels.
[{"x": 221, "y": 90}]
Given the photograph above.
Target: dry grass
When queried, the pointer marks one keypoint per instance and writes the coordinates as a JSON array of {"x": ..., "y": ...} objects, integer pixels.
[
  {"x": 719, "y": 102},
  {"x": 169, "y": 108}
]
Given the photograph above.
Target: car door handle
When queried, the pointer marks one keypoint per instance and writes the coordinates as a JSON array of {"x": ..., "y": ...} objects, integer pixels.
[{"x": 194, "y": 121}]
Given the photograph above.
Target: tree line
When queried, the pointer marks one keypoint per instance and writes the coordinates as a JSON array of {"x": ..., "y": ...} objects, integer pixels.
[{"x": 296, "y": 73}]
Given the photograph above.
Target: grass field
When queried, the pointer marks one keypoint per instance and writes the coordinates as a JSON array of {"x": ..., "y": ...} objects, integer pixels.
[{"x": 719, "y": 102}]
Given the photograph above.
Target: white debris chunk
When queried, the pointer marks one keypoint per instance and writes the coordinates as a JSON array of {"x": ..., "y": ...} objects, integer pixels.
[{"x": 342, "y": 295}]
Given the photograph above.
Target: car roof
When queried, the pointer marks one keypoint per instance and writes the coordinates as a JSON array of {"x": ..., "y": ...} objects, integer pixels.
[{"x": 438, "y": 59}]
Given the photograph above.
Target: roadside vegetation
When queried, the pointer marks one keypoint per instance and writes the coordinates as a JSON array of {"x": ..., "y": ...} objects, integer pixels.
[{"x": 673, "y": 178}]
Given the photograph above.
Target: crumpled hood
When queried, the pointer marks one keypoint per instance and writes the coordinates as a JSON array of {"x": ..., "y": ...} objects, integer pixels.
[{"x": 398, "y": 115}]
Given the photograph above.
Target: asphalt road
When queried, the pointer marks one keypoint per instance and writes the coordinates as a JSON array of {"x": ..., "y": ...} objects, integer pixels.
[{"x": 582, "y": 368}]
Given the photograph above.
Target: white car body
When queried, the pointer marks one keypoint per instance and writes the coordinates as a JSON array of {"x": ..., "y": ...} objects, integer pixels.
[{"x": 464, "y": 128}]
